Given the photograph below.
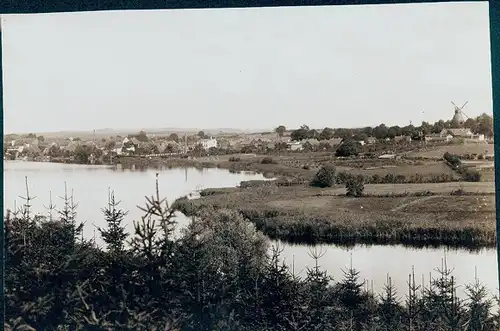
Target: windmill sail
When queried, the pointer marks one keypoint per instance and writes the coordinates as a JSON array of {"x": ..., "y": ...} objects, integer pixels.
[{"x": 459, "y": 116}]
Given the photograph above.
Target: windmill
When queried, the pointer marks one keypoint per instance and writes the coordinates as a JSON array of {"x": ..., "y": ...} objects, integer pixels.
[{"x": 459, "y": 116}]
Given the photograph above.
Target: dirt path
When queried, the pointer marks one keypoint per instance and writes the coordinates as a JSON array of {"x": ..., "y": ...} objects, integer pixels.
[{"x": 404, "y": 205}]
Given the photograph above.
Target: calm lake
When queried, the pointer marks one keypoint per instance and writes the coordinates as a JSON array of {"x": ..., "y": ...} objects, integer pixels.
[{"x": 90, "y": 185}]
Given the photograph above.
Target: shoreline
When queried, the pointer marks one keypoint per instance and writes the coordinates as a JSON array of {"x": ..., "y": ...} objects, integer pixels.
[{"x": 451, "y": 213}]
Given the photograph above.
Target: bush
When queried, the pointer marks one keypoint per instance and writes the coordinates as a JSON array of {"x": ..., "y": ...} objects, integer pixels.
[
  {"x": 355, "y": 186},
  {"x": 471, "y": 176},
  {"x": 453, "y": 160},
  {"x": 348, "y": 148},
  {"x": 458, "y": 192},
  {"x": 234, "y": 159},
  {"x": 342, "y": 177},
  {"x": 325, "y": 177},
  {"x": 268, "y": 160}
]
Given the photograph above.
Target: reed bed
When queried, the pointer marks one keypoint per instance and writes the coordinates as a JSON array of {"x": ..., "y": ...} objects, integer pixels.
[{"x": 306, "y": 215}]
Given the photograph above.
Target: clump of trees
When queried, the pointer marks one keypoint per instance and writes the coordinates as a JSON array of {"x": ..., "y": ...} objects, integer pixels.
[
  {"x": 325, "y": 177},
  {"x": 482, "y": 124},
  {"x": 349, "y": 147},
  {"x": 456, "y": 164},
  {"x": 218, "y": 275}
]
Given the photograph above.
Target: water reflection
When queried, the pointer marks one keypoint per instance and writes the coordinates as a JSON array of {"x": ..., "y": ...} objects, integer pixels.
[
  {"x": 375, "y": 262},
  {"x": 418, "y": 243},
  {"x": 91, "y": 183}
]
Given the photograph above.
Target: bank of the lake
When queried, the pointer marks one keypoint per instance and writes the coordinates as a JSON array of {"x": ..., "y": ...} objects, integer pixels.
[
  {"x": 90, "y": 185},
  {"x": 275, "y": 167},
  {"x": 306, "y": 215}
]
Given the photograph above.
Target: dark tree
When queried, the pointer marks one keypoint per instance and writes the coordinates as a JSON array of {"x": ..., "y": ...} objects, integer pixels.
[
  {"x": 327, "y": 134},
  {"x": 485, "y": 125},
  {"x": 82, "y": 154},
  {"x": 394, "y": 131},
  {"x": 142, "y": 136},
  {"x": 355, "y": 186},
  {"x": 173, "y": 137},
  {"x": 381, "y": 131},
  {"x": 299, "y": 134},
  {"x": 114, "y": 235},
  {"x": 280, "y": 130},
  {"x": 325, "y": 177},
  {"x": 348, "y": 148},
  {"x": 343, "y": 133}
]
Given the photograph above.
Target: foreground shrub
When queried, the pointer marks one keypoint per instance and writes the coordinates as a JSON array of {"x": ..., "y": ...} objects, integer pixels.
[
  {"x": 217, "y": 275},
  {"x": 325, "y": 177}
]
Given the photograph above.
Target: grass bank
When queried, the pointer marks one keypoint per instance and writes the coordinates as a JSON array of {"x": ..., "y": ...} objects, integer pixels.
[
  {"x": 299, "y": 168},
  {"x": 455, "y": 214},
  {"x": 278, "y": 167}
]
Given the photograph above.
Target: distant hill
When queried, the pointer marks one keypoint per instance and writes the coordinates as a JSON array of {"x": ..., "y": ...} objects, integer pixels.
[{"x": 104, "y": 132}]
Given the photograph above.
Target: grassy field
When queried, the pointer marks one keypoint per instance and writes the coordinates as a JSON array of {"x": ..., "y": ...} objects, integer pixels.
[
  {"x": 423, "y": 213},
  {"x": 424, "y": 168},
  {"x": 459, "y": 149},
  {"x": 303, "y": 214}
]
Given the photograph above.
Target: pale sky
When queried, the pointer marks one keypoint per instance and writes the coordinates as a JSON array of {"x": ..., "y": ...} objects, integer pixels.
[{"x": 336, "y": 66}]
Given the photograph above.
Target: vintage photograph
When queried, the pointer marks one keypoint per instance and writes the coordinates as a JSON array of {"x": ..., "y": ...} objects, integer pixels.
[{"x": 286, "y": 168}]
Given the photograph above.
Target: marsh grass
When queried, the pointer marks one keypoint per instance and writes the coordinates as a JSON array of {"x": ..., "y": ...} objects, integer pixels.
[{"x": 299, "y": 216}]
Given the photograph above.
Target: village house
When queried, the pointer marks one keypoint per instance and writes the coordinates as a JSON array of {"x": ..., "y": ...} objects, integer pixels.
[
  {"x": 463, "y": 133},
  {"x": 71, "y": 147},
  {"x": 406, "y": 139},
  {"x": 310, "y": 144},
  {"x": 270, "y": 146},
  {"x": 387, "y": 156},
  {"x": 371, "y": 140},
  {"x": 223, "y": 144},
  {"x": 437, "y": 137},
  {"x": 209, "y": 143},
  {"x": 173, "y": 147},
  {"x": 458, "y": 133},
  {"x": 117, "y": 150},
  {"x": 333, "y": 142},
  {"x": 478, "y": 137},
  {"x": 295, "y": 146}
]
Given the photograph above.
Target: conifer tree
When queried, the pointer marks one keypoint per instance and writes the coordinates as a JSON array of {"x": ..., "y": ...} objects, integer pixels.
[{"x": 114, "y": 235}]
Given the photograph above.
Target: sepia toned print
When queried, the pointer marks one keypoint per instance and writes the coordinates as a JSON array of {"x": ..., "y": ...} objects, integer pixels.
[{"x": 233, "y": 169}]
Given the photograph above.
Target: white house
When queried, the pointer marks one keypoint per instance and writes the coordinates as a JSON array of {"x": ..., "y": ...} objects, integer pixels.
[
  {"x": 438, "y": 137},
  {"x": 209, "y": 143},
  {"x": 295, "y": 146},
  {"x": 457, "y": 133},
  {"x": 478, "y": 137}
]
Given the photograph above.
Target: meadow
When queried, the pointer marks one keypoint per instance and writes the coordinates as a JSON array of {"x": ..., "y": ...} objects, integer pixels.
[{"x": 459, "y": 215}]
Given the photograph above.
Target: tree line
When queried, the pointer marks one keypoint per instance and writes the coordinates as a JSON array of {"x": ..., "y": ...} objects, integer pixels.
[
  {"x": 482, "y": 124},
  {"x": 217, "y": 275}
]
